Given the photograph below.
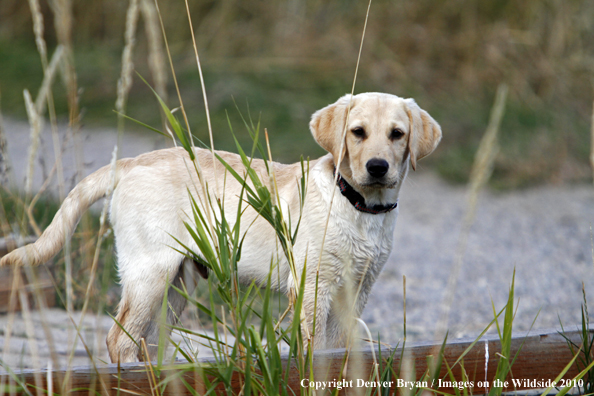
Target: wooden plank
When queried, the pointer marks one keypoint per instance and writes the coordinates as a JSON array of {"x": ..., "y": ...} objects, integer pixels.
[{"x": 543, "y": 356}]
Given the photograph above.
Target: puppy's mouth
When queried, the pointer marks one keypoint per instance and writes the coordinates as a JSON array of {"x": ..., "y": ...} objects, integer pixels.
[{"x": 380, "y": 184}]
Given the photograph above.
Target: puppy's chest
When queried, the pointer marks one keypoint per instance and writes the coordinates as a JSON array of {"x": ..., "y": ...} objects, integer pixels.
[
  {"x": 363, "y": 241},
  {"x": 354, "y": 240}
]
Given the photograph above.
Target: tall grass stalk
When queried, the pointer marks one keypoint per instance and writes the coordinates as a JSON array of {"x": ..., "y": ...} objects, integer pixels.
[
  {"x": 375, "y": 370},
  {"x": 5, "y": 178},
  {"x": 568, "y": 388},
  {"x": 342, "y": 140},
  {"x": 592, "y": 142},
  {"x": 12, "y": 301},
  {"x": 172, "y": 68},
  {"x": 505, "y": 336},
  {"x": 204, "y": 97},
  {"x": 45, "y": 98},
  {"x": 125, "y": 81},
  {"x": 63, "y": 55},
  {"x": 583, "y": 352},
  {"x": 187, "y": 138},
  {"x": 337, "y": 165},
  {"x": 156, "y": 58},
  {"x": 38, "y": 30},
  {"x": 62, "y": 10},
  {"x": 480, "y": 174},
  {"x": 63, "y": 25},
  {"x": 29, "y": 329},
  {"x": 123, "y": 89},
  {"x": 35, "y": 132},
  {"x": 5, "y": 168},
  {"x": 35, "y": 112},
  {"x": 5, "y": 172},
  {"x": 45, "y": 95},
  {"x": 40, "y": 302},
  {"x": 101, "y": 233}
]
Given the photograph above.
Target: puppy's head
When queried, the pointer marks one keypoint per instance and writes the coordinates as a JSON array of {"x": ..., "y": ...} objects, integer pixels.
[{"x": 383, "y": 132}]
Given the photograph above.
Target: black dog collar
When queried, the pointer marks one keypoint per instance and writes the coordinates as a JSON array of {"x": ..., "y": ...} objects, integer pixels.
[{"x": 357, "y": 199}]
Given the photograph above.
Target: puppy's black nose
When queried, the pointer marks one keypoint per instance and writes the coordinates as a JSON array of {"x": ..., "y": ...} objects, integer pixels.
[{"x": 377, "y": 167}]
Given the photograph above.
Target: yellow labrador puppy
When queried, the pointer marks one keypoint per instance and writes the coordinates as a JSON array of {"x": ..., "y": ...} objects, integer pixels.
[{"x": 150, "y": 203}]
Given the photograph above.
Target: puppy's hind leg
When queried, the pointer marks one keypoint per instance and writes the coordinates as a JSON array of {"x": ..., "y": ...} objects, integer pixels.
[
  {"x": 175, "y": 306},
  {"x": 139, "y": 311}
]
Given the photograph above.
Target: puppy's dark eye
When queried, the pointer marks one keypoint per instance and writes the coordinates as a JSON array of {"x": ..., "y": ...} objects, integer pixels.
[
  {"x": 396, "y": 134},
  {"x": 359, "y": 132}
]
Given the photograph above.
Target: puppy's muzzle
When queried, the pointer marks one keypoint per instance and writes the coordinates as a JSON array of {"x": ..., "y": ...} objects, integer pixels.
[{"x": 377, "y": 167}]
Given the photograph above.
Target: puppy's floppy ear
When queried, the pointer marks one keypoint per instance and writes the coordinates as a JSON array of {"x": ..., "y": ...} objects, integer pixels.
[
  {"x": 327, "y": 125},
  {"x": 425, "y": 132}
]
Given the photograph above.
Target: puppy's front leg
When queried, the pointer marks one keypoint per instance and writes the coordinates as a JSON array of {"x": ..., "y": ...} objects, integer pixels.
[
  {"x": 348, "y": 303},
  {"x": 341, "y": 322},
  {"x": 321, "y": 307}
]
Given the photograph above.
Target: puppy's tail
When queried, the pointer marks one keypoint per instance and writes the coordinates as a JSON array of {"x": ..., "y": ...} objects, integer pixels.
[{"x": 89, "y": 190}]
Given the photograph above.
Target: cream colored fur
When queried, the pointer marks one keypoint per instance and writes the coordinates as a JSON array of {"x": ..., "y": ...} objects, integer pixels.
[{"x": 150, "y": 203}]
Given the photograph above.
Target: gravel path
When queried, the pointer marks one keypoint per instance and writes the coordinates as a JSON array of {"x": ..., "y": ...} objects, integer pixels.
[{"x": 544, "y": 233}]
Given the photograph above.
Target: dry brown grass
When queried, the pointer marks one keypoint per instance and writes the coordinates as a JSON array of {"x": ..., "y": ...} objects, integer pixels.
[
  {"x": 448, "y": 55},
  {"x": 592, "y": 142},
  {"x": 539, "y": 48},
  {"x": 481, "y": 171}
]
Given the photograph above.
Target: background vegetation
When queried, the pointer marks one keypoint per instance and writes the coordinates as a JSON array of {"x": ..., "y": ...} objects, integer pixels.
[{"x": 287, "y": 59}]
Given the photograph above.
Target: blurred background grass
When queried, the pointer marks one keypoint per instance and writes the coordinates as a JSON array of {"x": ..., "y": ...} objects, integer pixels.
[{"x": 286, "y": 59}]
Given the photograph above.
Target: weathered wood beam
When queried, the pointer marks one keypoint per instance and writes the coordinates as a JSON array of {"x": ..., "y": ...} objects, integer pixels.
[{"x": 542, "y": 357}]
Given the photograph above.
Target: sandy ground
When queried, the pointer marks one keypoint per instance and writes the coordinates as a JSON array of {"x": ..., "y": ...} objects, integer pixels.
[{"x": 544, "y": 233}]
